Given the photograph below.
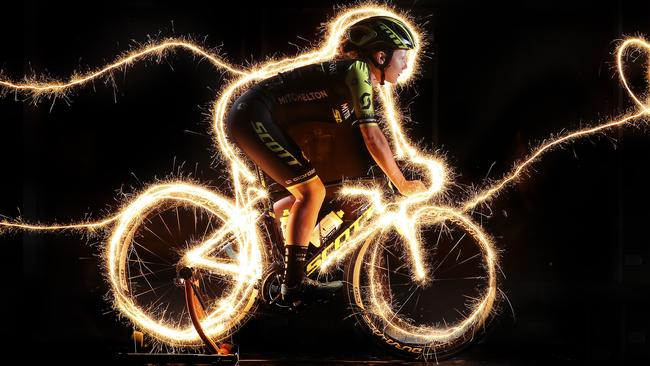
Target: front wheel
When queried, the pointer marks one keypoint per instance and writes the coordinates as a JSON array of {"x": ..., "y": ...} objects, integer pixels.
[{"x": 430, "y": 317}]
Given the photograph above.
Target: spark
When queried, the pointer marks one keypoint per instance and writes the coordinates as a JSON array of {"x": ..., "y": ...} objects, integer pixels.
[
  {"x": 36, "y": 89},
  {"x": 643, "y": 111},
  {"x": 404, "y": 215}
]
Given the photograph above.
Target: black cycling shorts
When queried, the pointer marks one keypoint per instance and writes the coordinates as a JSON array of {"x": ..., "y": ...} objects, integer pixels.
[{"x": 250, "y": 126}]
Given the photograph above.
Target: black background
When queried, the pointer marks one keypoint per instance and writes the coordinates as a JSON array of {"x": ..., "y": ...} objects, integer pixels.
[{"x": 497, "y": 79}]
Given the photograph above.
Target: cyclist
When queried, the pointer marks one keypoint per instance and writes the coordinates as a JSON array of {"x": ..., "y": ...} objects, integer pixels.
[{"x": 338, "y": 91}]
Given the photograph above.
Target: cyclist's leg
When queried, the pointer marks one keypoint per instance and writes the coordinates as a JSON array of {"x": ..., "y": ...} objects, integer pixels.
[
  {"x": 251, "y": 127},
  {"x": 302, "y": 219},
  {"x": 279, "y": 208},
  {"x": 309, "y": 197}
]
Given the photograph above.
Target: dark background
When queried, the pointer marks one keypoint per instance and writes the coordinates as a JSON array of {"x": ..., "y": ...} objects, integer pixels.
[{"x": 498, "y": 77}]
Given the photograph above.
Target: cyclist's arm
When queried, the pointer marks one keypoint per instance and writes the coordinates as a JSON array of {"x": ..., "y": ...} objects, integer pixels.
[
  {"x": 382, "y": 154},
  {"x": 380, "y": 150},
  {"x": 358, "y": 80}
]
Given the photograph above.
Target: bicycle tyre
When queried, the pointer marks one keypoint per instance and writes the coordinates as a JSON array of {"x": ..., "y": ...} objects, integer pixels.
[
  {"x": 151, "y": 241},
  {"x": 423, "y": 333}
]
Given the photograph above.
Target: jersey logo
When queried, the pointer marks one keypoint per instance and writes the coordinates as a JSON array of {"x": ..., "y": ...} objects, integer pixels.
[
  {"x": 337, "y": 115},
  {"x": 273, "y": 145},
  {"x": 302, "y": 97},
  {"x": 365, "y": 101},
  {"x": 295, "y": 179},
  {"x": 332, "y": 67},
  {"x": 346, "y": 110}
]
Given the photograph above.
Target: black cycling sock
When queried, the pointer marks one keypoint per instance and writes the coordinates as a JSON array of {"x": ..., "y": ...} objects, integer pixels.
[{"x": 295, "y": 257}]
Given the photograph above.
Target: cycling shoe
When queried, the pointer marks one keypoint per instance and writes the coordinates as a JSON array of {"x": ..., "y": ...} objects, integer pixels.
[{"x": 309, "y": 288}]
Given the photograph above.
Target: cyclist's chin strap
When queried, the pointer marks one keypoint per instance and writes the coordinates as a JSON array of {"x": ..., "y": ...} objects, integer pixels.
[{"x": 382, "y": 67}]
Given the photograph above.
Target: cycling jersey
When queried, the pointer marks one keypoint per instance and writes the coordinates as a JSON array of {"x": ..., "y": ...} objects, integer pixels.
[{"x": 334, "y": 91}]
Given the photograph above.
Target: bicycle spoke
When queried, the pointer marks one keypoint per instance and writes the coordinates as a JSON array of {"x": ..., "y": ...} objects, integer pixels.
[
  {"x": 148, "y": 262},
  {"x": 417, "y": 301},
  {"x": 166, "y": 227},
  {"x": 152, "y": 272},
  {"x": 157, "y": 236},
  {"x": 388, "y": 269},
  {"x": 449, "y": 252},
  {"x": 397, "y": 273},
  {"x": 151, "y": 252},
  {"x": 140, "y": 265},
  {"x": 161, "y": 297},
  {"x": 181, "y": 318},
  {"x": 178, "y": 220},
  {"x": 165, "y": 311},
  {"x": 458, "y": 278},
  {"x": 400, "y": 284},
  {"x": 207, "y": 226},
  {"x": 386, "y": 249},
  {"x": 400, "y": 309},
  {"x": 195, "y": 219},
  {"x": 458, "y": 264},
  {"x": 151, "y": 290}
]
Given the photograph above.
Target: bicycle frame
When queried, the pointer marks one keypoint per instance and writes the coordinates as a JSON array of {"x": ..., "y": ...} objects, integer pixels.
[
  {"x": 239, "y": 212},
  {"x": 241, "y": 219},
  {"x": 355, "y": 214}
]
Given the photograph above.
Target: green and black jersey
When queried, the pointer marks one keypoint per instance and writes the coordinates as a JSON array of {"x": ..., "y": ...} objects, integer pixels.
[
  {"x": 331, "y": 92},
  {"x": 334, "y": 91}
]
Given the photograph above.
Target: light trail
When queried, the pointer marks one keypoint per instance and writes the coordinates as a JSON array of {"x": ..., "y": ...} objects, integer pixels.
[{"x": 405, "y": 215}]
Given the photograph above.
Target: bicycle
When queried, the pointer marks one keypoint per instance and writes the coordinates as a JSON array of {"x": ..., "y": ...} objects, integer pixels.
[
  {"x": 225, "y": 270},
  {"x": 156, "y": 255},
  {"x": 188, "y": 265}
]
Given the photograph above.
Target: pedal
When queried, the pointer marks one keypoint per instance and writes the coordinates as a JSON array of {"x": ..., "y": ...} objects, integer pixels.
[{"x": 275, "y": 299}]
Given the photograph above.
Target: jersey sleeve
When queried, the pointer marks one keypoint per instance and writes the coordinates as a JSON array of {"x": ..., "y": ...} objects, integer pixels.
[{"x": 358, "y": 81}]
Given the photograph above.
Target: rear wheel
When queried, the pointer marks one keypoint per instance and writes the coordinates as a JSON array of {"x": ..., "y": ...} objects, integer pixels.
[
  {"x": 174, "y": 226},
  {"x": 436, "y": 316}
]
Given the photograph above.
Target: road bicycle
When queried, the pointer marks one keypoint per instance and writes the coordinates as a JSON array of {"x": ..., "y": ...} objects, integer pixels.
[
  {"x": 188, "y": 264},
  {"x": 189, "y": 269}
]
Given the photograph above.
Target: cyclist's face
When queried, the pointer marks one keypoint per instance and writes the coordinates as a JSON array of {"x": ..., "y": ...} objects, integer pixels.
[{"x": 397, "y": 65}]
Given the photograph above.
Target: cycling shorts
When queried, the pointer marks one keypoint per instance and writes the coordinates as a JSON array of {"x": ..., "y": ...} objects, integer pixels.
[{"x": 250, "y": 126}]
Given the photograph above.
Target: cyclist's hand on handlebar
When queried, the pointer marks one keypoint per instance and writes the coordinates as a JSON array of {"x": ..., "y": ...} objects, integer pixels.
[{"x": 411, "y": 187}]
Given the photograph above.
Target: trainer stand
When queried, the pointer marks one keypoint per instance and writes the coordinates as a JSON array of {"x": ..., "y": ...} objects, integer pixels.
[
  {"x": 176, "y": 359},
  {"x": 216, "y": 353}
]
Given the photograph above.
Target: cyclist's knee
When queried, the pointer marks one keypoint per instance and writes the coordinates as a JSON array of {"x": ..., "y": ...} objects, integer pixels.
[{"x": 313, "y": 191}]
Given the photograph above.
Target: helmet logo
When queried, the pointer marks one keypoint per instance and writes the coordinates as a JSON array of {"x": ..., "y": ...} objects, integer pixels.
[
  {"x": 391, "y": 34},
  {"x": 377, "y": 33}
]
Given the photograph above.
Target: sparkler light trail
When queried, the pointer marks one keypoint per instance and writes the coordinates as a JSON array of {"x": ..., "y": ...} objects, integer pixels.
[
  {"x": 239, "y": 217},
  {"x": 643, "y": 111}
]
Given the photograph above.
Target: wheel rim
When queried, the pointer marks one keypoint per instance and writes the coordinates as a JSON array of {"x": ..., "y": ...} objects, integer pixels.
[
  {"x": 210, "y": 235},
  {"x": 420, "y": 314}
]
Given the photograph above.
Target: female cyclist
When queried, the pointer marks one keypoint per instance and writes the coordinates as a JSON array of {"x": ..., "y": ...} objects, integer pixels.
[{"x": 337, "y": 91}]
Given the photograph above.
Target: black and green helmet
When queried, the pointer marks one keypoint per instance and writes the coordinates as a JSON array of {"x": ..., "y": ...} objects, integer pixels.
[{"x": 380, "y": 33}]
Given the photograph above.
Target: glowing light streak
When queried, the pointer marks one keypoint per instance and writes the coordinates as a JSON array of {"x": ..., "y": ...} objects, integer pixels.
[
  {"x": 406, "y": 215},
  {"x": 37, "y": 89},
  {"x": 518, "y": 169}
]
